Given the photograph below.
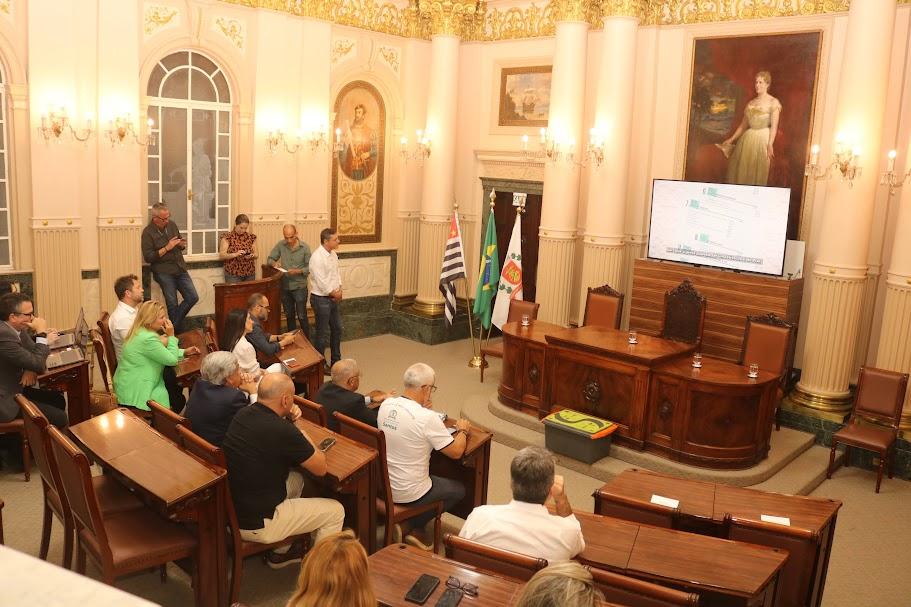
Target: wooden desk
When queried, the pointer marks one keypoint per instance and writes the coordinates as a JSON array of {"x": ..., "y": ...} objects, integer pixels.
[
  {"x": 808, "y": 538},
  {"x": 309, "y": 363},
  {"x": 472, "y": 469},
  {"x": 170, "y": 480},
  {"x": 230, "y": 296},
  {"x": 395, "y": 568},
  {"x": 715, "y": 416},
  {"x": 722, "y": 572},
  {"x": 524, "y": 351},
  {"x": 74, "y": 380},
  {"x": 187, "y": 370},
  {"x": 349, "y": 472}
]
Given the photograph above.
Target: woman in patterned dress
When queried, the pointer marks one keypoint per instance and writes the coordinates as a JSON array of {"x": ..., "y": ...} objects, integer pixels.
[{"x": 237, "y": 250}]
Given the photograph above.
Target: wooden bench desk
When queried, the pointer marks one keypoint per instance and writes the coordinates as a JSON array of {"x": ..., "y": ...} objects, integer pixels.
[
  {"x": 187, "y": 369},
  {"x": 472, "y": 469},
  {"x": 74, "y": 380}
]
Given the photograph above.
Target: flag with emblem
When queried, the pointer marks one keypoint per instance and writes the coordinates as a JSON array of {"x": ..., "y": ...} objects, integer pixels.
[
  {"x": 453, "y": 267},
  {"x": 510, "y": 286},
  {"x": 488, "y": 274}
]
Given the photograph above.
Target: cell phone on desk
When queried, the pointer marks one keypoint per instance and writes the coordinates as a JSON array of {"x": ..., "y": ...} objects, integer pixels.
[
  {"x": 326, "y": 443},
  {"x": 450, "y": 598},
  {"x": 422, "y": 589}
]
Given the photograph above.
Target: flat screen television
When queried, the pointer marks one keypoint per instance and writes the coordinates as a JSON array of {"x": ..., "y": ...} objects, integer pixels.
[{"x": 735, "y": 227}]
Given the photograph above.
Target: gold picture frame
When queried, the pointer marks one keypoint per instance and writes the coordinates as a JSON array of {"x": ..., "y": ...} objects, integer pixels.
[{"x": 525, "y": 96}]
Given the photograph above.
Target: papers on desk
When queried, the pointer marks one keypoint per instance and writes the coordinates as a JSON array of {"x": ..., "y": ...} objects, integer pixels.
[
  {"x": 664, "y": 501},
  {"x": 778, "y": 520}
]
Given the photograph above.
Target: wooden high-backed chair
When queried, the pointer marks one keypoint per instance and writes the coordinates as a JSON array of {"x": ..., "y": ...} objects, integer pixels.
[
  {"x": 517, "y": 309},
  {"x": 16, "y": 427},
  {"x": 211, "y": 335},
  {"x": 683, "y": 317},
  {"x": 214, "y": 456},
  {"x": 879, "y": 398},
  {"x": 313, "y": 412},
  {"x": 603, "y": 307},
  {"x": 390, "y": 512},
  {"x": 622, "y": 507},
  {"x": 769, "y": 342},
  {"x": 495, "y": 560},
  {"x": 109, "y": 352},
  {"x": 166, "y": 421},
  {"x": 631, "y": 592}
]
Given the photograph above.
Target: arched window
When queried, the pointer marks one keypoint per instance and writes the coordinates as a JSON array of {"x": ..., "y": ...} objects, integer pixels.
[
  {"x": 6, "y": 245},
  {"x": 190, "y": 163}
]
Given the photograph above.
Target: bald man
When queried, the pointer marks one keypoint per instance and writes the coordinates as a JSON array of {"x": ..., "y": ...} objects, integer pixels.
[
  {"x": 341, "y": 395},
  {"x": 292, "y": 256},
  {"x": 264, "y": 450}
]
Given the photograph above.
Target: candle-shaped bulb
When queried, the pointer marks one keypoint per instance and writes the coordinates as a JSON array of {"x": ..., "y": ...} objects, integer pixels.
[
  {"x": 403, "y": 141},
  {"x": 420, "y": 134},
  {"x": 892, "y": 154},
  {"x": 338, "y": 133},
  {"x": 543, "y": 134},
  {"x": 150, "y": 123},
  {"x": 525, "y": 142},
  {"x": 814, "y": 154}
]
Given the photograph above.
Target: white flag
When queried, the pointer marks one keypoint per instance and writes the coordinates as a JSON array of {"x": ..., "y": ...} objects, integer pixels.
[{"x": 510, "y": 286}]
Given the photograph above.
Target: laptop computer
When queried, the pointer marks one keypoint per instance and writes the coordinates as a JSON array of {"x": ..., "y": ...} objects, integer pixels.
[
  {"x": 59, "y": 358},
  {"x": 76, "y": 336}
]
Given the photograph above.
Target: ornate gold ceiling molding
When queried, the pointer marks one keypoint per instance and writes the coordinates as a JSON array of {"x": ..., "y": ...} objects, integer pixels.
[{"x": 473, "y": 20}]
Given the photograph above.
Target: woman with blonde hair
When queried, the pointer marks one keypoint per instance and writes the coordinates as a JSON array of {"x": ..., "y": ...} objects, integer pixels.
[
  {"x": 146, "y": 352},
  {"x": 566, "y": 584},
  {"x": 334, "y": 574}
]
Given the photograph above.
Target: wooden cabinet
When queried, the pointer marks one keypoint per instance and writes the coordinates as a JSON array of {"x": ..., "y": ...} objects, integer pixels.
[{"x": 524, "y": 348}]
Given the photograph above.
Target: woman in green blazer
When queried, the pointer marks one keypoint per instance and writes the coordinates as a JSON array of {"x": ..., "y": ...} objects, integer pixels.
[{"x": 145, "y": 355}]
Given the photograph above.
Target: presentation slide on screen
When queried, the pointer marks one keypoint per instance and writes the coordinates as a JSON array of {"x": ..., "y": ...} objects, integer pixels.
[{"x": 728, "y": 226}]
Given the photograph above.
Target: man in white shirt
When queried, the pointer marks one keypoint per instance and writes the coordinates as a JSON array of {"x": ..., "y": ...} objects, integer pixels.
[
  {"x": 524, "y": 525},
  {"x": 129, "y": 291},
  {"x": 325, "y": 296},
  {"x": 413, "y": 431}
]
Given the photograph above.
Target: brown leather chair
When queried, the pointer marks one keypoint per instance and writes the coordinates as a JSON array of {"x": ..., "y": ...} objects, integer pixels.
[
  {"x": 684, "y": 314},
  {"x": 631, "y": 592},
  {"x": 879, "y": 398},
  {"x": 122, "y": 543},
  {"x": 166, "y": 421},
  {"x": 517, "y": 309},
  {"x": 603, "y": 307},
  {"x": 211, "y": 335},
  {"x": 15, "y": 427},
  {"x": 214, "y": 456},
  {"x": 313, "y": 412},
  {"x": 390, "y": 512},
  {"x": 101, "y": 401},
  {"x": 112, "y": 496},
  {"x": 109, "y": 351},
  {"x": 622, "y": 507},
  {"x": 493, "y": 560},
  {"x": 769, "y": 342}
]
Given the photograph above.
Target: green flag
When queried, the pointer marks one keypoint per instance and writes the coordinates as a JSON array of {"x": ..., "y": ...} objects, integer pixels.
[{"x": 488, "y": 274}]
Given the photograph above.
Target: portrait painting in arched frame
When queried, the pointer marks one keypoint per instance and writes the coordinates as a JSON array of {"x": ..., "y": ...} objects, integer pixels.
[{"x": 358, "y": 157}]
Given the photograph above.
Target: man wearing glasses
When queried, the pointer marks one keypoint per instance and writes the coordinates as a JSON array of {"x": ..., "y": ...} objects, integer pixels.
[
  {"x": 413, "y": 431},
  {"x": 23, "y": 359},
  {"x": 268, "y": 344},
  {"x": 162, "y": 249}
]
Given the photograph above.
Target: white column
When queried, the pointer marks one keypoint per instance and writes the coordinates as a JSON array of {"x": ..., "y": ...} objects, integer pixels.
[
  {"x": 559, "y": 213},
  {"x": 840, "y": 269}
]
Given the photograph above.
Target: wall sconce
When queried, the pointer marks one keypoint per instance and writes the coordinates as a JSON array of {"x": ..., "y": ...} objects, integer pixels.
[
  {"x": 549, "y": 148},
  {"x": 892, "y": 180},
  {"x": 595, "y": 151},
  {"x": 421, "y": 149},
  {"x": 317, "y": 139},
  {"x": 845, "y": 161},
  {"x": 121, "y": 127},
  {"x": 55, "y": 125},
  {"x": 277, "y": 138}
]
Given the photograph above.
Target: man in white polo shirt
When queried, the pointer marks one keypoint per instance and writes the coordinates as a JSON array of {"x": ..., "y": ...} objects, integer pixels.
[
  {"x": 524, "y": 525},
  {"x": 413, "y": 431},
  {"x": 129, "y": 291}
]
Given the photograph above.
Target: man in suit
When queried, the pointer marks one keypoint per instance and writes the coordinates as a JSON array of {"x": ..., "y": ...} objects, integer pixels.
[
  {"x": 217, "y": 396},
  {"x": 22, "y": 359},
  {"x": 341, "y": 395}
]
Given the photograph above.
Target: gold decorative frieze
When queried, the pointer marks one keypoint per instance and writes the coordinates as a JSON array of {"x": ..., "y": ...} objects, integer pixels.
[
  {"x": 232, "y": 29},
  {"x": 6, "y": 6},
  {"x": 156, "y": 17},
  {"x": 391, "y": 56},
  {"x": 474, "y": 21},
  {"x": 341, "y": 48}
]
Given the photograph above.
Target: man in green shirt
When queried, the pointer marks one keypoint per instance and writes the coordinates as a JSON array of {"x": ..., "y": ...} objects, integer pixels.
[{"x": 292, "y": 256}]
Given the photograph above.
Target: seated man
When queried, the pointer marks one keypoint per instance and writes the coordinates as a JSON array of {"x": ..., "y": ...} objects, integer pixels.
[
  {"x": 217, "y": 396},
  {"x": 263, "y": 449},
  {"x": 412, "y": 432},
  {"x": 23, "y": 359},
  {"x": 524, "y": 525},
  {"x": 270, "y": 345},
  {"x": 341, "y": 395}
]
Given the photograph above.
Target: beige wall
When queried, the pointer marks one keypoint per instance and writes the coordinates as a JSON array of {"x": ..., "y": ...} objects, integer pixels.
[{"x": 285, "y": 71}]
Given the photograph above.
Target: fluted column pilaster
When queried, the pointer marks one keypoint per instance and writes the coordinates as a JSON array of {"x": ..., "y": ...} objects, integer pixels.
[
  {"x": 840, "y": 268},
  {"x": 560, "y": 207},
  {"x": 406, "y": 279}
]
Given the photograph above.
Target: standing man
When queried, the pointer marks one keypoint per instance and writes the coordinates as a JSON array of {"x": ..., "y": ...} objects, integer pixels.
[
  {"x": 293, "y": 257},
  {"x": 327, "y": 294},
  {"x": 130, "y": 292},
  {"x": 162, "y": 249},
  {"x": 268, "y": 344},
  {"x": 23, "y": 359}
]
